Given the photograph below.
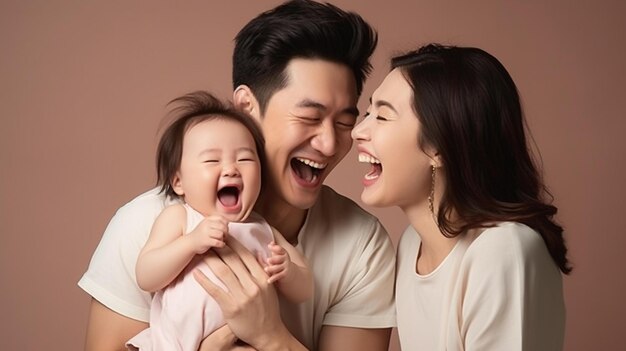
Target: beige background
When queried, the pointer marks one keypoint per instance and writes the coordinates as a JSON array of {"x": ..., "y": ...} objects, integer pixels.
[{"x": 83, "y": 86}]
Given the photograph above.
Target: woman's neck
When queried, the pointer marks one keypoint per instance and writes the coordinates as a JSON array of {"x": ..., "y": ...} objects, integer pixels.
[{"x": 434, "y": 247}]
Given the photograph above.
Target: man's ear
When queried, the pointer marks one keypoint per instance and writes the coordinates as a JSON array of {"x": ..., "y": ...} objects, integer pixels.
[
  {"x": 177, "y": 185},
  {"x": 244, "y": 100}
]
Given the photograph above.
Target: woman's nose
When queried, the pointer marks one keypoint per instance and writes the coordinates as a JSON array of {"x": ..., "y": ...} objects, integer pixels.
[{"x": 360, "y": 131}]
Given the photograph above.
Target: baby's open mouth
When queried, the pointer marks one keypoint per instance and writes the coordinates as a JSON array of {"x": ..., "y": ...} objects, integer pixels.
[{"x": 228, "y": 196}]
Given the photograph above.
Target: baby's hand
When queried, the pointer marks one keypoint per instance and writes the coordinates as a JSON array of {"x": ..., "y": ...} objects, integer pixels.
[
  {"x": 209, "y": 233},
  {"x": 278, "y": 263}
]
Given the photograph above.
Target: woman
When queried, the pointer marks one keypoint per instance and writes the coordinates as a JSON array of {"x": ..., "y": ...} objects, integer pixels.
[{"x": 480, "y": 266}]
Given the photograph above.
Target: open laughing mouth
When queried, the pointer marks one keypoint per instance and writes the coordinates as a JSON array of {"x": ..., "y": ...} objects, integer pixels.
[
  {"x": 228, "y": 197},
  {"x": 374, "y": 172},
  {"x": 308, "y": 172}
]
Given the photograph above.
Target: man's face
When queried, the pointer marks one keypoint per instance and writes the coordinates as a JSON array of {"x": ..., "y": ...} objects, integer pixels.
[{"x": 307, "y": 129}]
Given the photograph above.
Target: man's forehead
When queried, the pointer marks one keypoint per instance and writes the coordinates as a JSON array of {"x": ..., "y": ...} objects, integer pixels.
[{"x": 316, "y": 69}]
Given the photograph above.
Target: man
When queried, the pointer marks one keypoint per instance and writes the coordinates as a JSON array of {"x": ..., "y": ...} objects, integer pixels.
[{"x": 298, "y": 70}]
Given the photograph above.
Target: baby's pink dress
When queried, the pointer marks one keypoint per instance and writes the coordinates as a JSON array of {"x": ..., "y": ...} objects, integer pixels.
[{"x": 183, "y": 314}]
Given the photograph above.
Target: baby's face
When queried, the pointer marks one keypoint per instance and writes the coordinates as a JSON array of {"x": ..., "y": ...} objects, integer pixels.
[{"x": 220, "y": 171}]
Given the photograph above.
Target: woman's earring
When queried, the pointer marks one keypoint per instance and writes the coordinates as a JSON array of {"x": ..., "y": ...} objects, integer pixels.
[{"x": 431, "y": 197}]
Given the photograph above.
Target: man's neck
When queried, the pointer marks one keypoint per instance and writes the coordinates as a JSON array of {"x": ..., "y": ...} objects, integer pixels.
[{"x": 287, "y": 219}]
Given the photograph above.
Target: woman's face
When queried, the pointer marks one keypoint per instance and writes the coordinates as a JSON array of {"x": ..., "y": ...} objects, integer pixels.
[{"x": 400, "y": 173}]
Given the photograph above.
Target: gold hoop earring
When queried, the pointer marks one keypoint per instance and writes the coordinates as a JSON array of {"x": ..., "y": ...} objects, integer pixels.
[{"x": 431, "y": 197}]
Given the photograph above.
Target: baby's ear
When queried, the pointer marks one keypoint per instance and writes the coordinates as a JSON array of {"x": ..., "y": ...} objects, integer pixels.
[
  {"x": 177, "y": 185},
  {"x": 244, "y": 100}
]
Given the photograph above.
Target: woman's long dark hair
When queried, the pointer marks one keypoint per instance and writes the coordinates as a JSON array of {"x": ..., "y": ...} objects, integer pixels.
[{"x": 470, "y": 112}]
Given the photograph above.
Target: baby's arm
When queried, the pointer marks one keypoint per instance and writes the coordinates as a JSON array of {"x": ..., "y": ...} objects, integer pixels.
[
  {"x": 288, "y": 268},
  {"x": 168, "y": 250}
]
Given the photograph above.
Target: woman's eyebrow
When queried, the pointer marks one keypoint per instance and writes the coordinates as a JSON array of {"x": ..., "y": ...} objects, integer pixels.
[{"x": 380, "y": 103}]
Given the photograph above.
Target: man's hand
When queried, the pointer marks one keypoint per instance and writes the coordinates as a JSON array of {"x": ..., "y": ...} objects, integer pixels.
[
  {"x": 250, "y": 306},
  {"x": 223, "y": 339}
]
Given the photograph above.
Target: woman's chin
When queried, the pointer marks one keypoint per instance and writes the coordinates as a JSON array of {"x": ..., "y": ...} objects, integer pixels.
[{"x": 370, "y": 199}]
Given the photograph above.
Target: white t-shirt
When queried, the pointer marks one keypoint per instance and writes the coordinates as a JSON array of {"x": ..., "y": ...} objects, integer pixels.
[
  {"x": 348, "y": 250},
  {"x": 498, "y": 290}
]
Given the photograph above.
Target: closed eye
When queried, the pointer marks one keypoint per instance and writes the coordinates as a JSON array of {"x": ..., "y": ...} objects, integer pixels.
[
  {"x": 379, "y": 117},
  {"x": 346, "y": 125},
  {"x": 310, "y": 120},
  {"x": 211, "y": 161}
]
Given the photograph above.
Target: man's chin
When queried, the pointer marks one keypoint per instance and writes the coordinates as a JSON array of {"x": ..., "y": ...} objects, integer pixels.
[
  {"x": 292, "y": 194},
  {"x": 304, "y": 198}
]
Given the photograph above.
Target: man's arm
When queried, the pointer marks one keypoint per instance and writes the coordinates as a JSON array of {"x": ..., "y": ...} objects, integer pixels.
[
  {"x": 347, "y": 339},
  {"x": 107, "y": 330}
]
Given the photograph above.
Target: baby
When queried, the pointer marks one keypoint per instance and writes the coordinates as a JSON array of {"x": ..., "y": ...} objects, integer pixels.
[{"x": 210, "y": 158}]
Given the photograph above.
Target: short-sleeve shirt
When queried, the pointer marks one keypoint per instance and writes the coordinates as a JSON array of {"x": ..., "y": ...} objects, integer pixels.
[
  {"x": 353, "y": 265},
  {"x": 497, "y": 290},
  {"x": 349, "y": 253}
]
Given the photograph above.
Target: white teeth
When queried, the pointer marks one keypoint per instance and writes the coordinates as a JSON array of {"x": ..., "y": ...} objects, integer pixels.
[
  {"x": 311, "y": 163},
  {"x": 371, "y": 176},
  {"x": 365, "y": 158}
]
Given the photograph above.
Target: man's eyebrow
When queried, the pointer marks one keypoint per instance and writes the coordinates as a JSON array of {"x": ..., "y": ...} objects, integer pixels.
[
  {"x": 352, "y": 110},
  {"x": 308, "y": 103}
]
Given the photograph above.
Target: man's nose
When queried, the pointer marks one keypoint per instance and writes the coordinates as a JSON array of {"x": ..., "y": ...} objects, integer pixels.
[{"x": 325, "y": 141}]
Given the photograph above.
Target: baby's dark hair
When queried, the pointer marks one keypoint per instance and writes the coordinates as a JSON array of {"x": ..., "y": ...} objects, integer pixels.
[{"x": 189, "y": 110}]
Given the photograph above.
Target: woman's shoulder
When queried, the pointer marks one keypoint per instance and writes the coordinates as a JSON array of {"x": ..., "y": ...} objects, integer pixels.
[
  {"x": 409, "y": 238},
  {"x": 510, "y": 242},
  {"x": 507, "y": 235}
]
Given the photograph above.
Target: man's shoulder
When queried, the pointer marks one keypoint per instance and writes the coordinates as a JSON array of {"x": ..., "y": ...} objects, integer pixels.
[
  {"x": 337, "y": 212},
  {"x": 149, "y": 202},
  {"x": 333, "y": 202}
]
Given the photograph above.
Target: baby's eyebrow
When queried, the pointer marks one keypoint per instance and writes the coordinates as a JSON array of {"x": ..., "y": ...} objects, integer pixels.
[
  {"x": 209, "y": 150},
  {"x": 249, "y": 149}
]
